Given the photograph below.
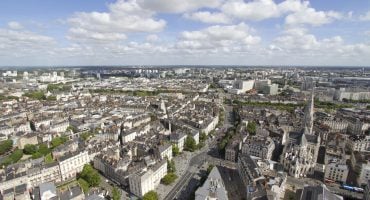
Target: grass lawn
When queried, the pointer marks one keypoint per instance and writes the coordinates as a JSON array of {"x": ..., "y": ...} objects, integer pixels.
[{"x": 49, "y": 158}]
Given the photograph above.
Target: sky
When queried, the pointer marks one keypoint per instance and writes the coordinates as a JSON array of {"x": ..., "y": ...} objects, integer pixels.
[{"x": 185, "y": 32}]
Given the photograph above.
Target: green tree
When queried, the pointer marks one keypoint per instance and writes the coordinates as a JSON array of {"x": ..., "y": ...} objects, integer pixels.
[
  {"x": 116, "y": 194},
  {"x": 90, "y": 175},
  {"x": 5, "y": 146},
  {"x": 29, "y": 149},
  {"x": 175, "y": 150},
  {"x": 169, "y": 178},
  {"x": 190, "y": 144},
  {"x": 171, "y": 167},
  {"x": 202, "y": 136},
  {"x": 58, "y": 141},
  {"x": 151, "y": 195},
  {"x": 84, "y": 185},
  {"x": 43, "y": 149},
  {"x": 251, "y": 128},
  {"x": 13, "y": 158}
]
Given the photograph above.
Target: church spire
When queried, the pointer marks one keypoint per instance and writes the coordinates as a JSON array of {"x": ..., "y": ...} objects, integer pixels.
[{"x": 308, "y": 115}]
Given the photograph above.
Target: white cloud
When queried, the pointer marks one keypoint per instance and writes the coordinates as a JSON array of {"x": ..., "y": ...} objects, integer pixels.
[
  {"x": 21, "y": 43},
  {"x": 218, "y": 38},
  {"x": 312, "y": 17},
  {"x": 365, "y": 17},
  {"x": 123, "y": 16},
  {"x": 15, "y": 25},
  {"x": 255, "y": 10},
  {"x": 178, "y": 6},
  {"x": 208, "y": 17}
]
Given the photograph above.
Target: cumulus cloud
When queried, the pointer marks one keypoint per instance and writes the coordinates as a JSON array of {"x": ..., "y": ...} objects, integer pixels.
[
  {"x": 178, "y": 6},
  {"x": 15, "y": 25},
  {"x": 255, "y": 10},
  {"x": 21, "y": 42},
  {"x": 124, "y": 16},
  {"x": 312, "y": 17},
  {"x": 209, "y": 17},
  {"x": 152, "y": 38},
  {"x": 218, "y": 39}
]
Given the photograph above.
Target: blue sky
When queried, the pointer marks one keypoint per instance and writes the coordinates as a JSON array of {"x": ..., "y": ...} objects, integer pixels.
[{"x": 156, "y": 32}]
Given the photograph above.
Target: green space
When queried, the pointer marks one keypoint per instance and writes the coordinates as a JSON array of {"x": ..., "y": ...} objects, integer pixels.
[
  {"x": 58, "y": 87},
  {"x": 141, "y": 93},
  {"x": 89, "y": 177},
  {"x": 190, "y": 144},
  {"x": 14, "y": 157},
  {"x": 5, "y": 98},
  {"x": 330, "y": 105},
  {"x": 57, "y": 141},
  {"x": 5, "y": 146},
  {"x": 169, "y": 178},
  {"x": 151, "y": 195},
  {"x": 171, "y": 167},
  {"x": 280, "y": 106},
  {"x": 38, "y": 95},
  {"x": 116, "y": 194},
  {"x": 49, "y": 158},
  {"x": 86, "y": 135},
  {"x": 175, "y": 150},
  {"x": 251, "y": 128}
]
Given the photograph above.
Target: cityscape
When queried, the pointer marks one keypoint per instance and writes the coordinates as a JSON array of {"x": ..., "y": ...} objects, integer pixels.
[{"x": 184, "y": 100}]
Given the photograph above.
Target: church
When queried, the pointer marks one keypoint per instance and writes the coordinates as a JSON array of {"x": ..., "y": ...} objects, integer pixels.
[{"x": 301, "y": 148}]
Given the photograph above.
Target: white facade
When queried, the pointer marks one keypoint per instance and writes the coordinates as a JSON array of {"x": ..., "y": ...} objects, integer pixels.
[
  {"x": 364, "y": 174},
  {"x": 336, "y": 172},
  {"x": 147, "y": 180},
  {"x": 70, "y": 165}
]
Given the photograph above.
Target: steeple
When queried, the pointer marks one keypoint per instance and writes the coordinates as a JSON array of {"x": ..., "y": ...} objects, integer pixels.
[{"x": 308, "y": 115}]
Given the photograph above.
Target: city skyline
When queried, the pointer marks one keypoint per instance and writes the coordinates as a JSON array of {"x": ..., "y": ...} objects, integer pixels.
[{"x": 163, "y": 32}]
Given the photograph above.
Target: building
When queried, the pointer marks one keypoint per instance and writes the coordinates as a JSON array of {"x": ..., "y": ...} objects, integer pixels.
[
  {"x": 318, "y": 192},
  {"x": 307, "y": 123},
  {"x": 39, "y": 174},
  {"x": 261, "y": 147},
  {"x": 359, "y": 143},
  {"x": 165, "y": 151},
  {"x": 336, "y": 171},
  {"x": 364, "y": 176},
  {"x": 147, "y": 179},
  {"x": 27, "y": 139},
  {"x": 213, "y": 187},
  {"x": 367, "y": 191},
  {"x": 351, "y": 94},
  {"x": 241, "y": 86},
  {"x": 251, "y": 176},
  {"x": 178, "y": 139},
  {"x": 72, "y": 163}
]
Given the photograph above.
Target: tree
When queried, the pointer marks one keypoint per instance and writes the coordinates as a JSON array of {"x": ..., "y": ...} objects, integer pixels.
[
  {"x": 116, "y": 194},
  {"x": 190, "y": 144},
  {"x": 202, "y": 136},
  {"x": 251, "y": 128},
  {"x": 43, "y": 149},
  {"x": 175, "y": 150},
  {"x": 5, "y": 146},
  {"x": 29, "y": 149},
  {"x": 151, "y": 195},
  {"x": 171, "y": 167},
  {"x": 209, "y": 169},
  {"x": 90, "y": 175},
  {"x": 169, "y": 178},
  {"x": 58, "y": 141},
  {"x": 84, "y": 185}
]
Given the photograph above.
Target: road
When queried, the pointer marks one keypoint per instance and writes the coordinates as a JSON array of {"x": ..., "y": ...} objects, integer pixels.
[
  {"x": 203, "y": 156},
  {"x": 191, "y": 170}
]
